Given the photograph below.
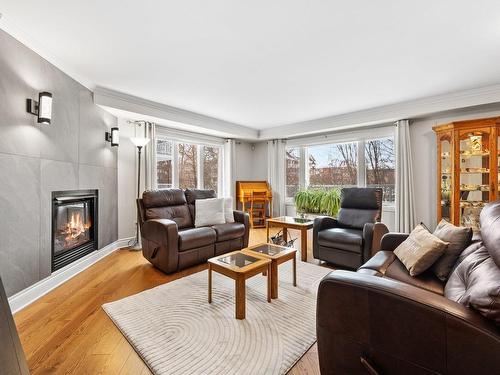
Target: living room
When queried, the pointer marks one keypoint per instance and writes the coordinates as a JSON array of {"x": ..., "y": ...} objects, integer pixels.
[{"x": 249, "y": 187}]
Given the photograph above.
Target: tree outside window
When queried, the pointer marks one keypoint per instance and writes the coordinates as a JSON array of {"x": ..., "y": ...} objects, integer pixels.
[
  {"x": 187, "y": 160},
  {"x": 333, "y": 165},
  {"x": 380, "y": 162},
  {"x": 292, "y": 171},
  {"x": 210, "y": 167}
]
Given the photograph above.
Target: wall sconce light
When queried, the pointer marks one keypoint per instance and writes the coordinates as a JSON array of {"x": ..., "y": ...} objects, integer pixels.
[
  {"x": 41, "y": 108},
  {"x": 113, "y": 137}
]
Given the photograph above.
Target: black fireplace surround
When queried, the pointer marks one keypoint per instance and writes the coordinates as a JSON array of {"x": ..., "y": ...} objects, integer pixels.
[{"x": 74, "y": 225}]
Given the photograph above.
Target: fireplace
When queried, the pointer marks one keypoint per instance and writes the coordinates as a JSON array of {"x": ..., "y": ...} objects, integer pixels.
[{"x": 74, "y": 225}]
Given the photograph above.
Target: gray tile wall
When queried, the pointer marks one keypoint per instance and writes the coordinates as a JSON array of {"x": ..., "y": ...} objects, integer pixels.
[{"x": 37, "y": 159}]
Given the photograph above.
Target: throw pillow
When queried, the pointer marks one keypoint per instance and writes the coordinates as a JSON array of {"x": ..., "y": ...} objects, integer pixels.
[
  {"x": 458, "y": 238},
  {"x": 228, "y": 210},
  {"x": 209, "y": 212},
  {"x": 420, "y": 250}
]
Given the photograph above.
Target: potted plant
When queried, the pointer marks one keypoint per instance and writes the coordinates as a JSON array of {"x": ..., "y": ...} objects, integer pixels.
[{"x": 318, "y": 201}]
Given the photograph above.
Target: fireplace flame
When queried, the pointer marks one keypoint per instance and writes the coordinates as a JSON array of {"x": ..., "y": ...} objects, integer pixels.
[{"x": 75, "y": 227}]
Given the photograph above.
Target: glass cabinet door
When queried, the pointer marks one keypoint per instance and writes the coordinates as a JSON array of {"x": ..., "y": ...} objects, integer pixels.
[
  {"x": 474, "y": 154},
  {"x": 446, "y": 175}
]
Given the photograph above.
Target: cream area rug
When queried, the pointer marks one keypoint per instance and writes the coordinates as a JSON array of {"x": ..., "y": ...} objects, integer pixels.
[{"x": 176, "y": 331}]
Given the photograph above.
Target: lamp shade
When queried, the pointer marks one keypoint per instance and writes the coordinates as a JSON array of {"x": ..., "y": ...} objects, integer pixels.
[
  {"x": 139, "y": 141},
  {"x": 44, "y": 107}
]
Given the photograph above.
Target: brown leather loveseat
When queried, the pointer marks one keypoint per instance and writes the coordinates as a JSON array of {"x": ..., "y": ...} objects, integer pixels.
[
  {"x": 381, "y": 320},
  {"x": 169, "y": 239}
]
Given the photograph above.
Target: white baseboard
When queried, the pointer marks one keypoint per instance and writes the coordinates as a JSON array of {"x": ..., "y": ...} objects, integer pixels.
[{"x": 27, "y": 296}]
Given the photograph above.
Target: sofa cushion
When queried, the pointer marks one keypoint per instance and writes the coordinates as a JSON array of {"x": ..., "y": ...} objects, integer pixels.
[
  {"x": 342, "y": 238},
  {"x": 163, "y": 198},
  {"x": 386, "y": 264},
  {"x": 356, "y": 218},
  {"x": 458, "y": 239},
  {"x": 490, "y": 229},
  {"x": 426, "y": 280},
  {"x": 209, "y": 212},
  {"x": 179, "y": 214},
  {"x": 196, "y": 237},
  {"x": 228, "y": 210},
  {"x": 229, "y": 231},
  {"x": 475, "y": 283},
  {"x": 193, "y": 194},
  {"x": 420, "y": 250}
]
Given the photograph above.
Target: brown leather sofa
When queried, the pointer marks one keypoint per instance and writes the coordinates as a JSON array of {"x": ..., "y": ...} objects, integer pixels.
[
  {"x": 169, "y": 239},
  {"x": 380, "y": 320}
]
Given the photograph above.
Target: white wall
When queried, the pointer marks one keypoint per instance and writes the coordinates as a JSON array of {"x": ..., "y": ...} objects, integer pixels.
[
  {"x": 423, "y": 141},
  {"x": 251, "y": 161}
]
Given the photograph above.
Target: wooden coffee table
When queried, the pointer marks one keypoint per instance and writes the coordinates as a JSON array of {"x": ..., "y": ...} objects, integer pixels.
[
  {"x": 239, "y": 266},
  {"x": 286, "y": 222},
  {"x": 278, "y": 255}
]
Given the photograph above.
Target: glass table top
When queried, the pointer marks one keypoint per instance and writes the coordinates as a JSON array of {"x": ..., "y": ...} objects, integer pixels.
[
  {"x": 292, "y": 220},
  {"x": 269, "y": 249},
  {"x": 238, "y": 260}
]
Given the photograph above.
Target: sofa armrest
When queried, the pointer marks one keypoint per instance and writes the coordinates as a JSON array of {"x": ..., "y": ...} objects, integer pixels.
[
  {"x": 390, "y": 241},
  {"x": 243, "y": 218},
  {"x": 398, "y": 327},
  {"x": 160, "y": 243},
  {"x": 321, "y": 223},
  {"x": 379, "y": 230}
]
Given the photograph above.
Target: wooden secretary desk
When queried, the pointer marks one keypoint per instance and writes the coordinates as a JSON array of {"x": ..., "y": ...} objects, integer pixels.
[
  {"x": 467, "y": 169},
  {"x": 255, "y": 197}
]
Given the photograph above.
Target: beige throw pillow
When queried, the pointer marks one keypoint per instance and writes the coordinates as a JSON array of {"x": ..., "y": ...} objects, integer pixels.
[{"x": 420, "y": 250}]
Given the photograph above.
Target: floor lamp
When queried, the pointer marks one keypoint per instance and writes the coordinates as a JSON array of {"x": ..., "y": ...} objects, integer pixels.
[{"x": 139, "y": 142}]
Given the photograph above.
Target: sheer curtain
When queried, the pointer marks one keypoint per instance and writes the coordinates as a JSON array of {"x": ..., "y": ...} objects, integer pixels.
[
  {"x": 276, "y": 174},
  {"x": 150, "y": 182},
  {"x": 405, "y": 198},
  {"x": 229, "y": 169}
]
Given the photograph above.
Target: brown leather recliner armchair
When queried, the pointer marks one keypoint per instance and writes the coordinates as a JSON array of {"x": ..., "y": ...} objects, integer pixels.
[
  {"x": 348, "y": 240},
  {"x": 169, "y": 239},
  {"x": 381, "y": 320}
]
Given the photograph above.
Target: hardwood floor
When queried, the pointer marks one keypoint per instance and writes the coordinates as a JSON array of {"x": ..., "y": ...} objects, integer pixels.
[{"x": 66, "y": 331}]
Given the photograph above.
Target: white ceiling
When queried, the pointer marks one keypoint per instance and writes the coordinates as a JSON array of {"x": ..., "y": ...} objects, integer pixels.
[{"x": 267, "y": 63}]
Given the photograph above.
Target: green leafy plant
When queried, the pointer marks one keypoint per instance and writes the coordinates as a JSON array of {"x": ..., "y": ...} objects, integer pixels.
[{"x": 316, "y": 201}]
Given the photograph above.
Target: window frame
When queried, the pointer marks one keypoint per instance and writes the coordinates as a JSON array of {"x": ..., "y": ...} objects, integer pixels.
[
  {"x": 199, "y": 161},
  {"x": 360, "y": 137}
]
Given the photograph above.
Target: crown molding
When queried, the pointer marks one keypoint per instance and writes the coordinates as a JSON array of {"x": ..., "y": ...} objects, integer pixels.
[
  {"x": 205, "y": 124},
  {"x": 40, "y": 49},
  {"x": 389, "y": 113}
]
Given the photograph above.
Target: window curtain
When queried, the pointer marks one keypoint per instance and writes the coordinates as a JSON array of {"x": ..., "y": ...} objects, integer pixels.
[
  {"x": 405, "y": 198},
  {"x": 276, "y": 174},
  {"x": 229, "y": 169},
  {"x": 150, "y": 182}
]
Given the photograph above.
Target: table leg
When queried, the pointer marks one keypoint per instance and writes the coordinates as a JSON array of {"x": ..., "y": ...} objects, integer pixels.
[
  {"x": 303, "y": 244},
  {"x": 240, "y": 297},
  {"x": 274, "y": 279},
  {"x": 267, "y": 232},
  {"x": 295, "y": 270},
  {"x": 285, "y": 235},
  {"x": 270, "y": 283},
  {"x": 209, "y": 283}
]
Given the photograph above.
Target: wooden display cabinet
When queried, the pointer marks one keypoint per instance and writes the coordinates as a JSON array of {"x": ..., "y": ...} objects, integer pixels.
[{"x": 467, "y": 169}]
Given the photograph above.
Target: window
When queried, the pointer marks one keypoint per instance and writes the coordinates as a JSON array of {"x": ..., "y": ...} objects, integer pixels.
[
  {"x": 187, "y": 161},
  {"x": 188, "y": 165},
  {"x": 380, "y": 164},
  {"x": 333, "y": 165},
  {"x": 367, "y": 161},
  {"x": 292, "y": 171},
  {"x": 210, "y": 167},
  {"x": 164, "y": 163}
]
